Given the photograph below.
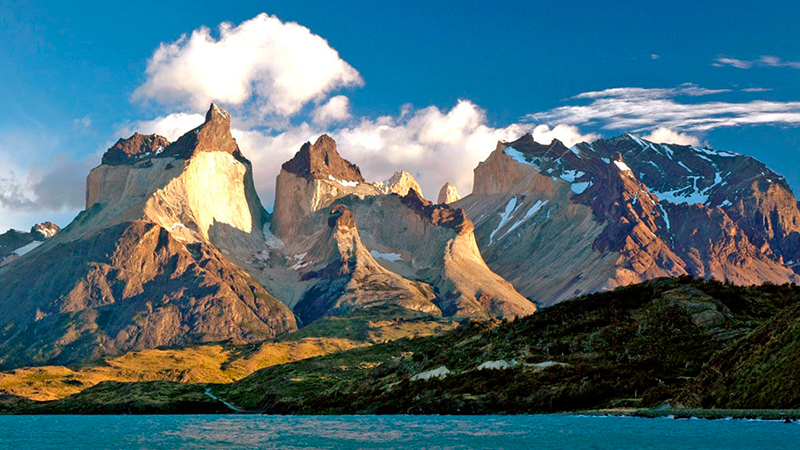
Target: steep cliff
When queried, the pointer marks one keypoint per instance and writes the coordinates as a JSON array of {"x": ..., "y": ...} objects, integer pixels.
[
  {"x": 150, "y": 262},
  {"x": 612, "y": 213},
  {"x": 431, "y": 245}
]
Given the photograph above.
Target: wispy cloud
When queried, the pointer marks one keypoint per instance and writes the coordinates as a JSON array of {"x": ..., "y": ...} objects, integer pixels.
[
  {"x": 643, "y": 110},
  {"x": 763, "y": 61}
]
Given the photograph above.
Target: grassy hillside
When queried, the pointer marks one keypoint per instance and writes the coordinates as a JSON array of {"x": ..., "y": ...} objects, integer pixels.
[
  {"x": 635, "y": 347},
  {"x": 223, "y": 363}
]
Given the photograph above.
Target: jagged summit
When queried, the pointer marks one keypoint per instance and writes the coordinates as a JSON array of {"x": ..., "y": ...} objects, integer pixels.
[
  {"x": 214, "y": 135},
  {"x": 439, "y": 215},
  {"x": 135, "y": 149},
  {"x": 448, "y": 194},
  {"x": 400, "y": 183},
  {"x": 622, "y": 210},
  {"x": 322, "y": 161},
  {"x": 156, "y": 259}
]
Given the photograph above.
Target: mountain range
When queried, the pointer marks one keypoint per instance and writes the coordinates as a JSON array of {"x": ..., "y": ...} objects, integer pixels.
[{"x": 174, "y": 247}]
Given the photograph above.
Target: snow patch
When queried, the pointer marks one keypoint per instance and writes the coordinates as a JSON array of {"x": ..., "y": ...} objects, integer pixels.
[
  {"x": 533, "y": 210},
  {"x": 300, "y": 263},
  {"x": 670, "y": 153},
  {"x": 712, "y": 152},
  {"x": 343, "y": 182},
  {"x": 578, "y": 188},
  {"x": 690, "y": 195},
  {"x": 28, "y": 247},
  {"x": 272, "y": 240},
  {"x": 518, "y": 156},
  {"x": 439, "y": 372},
  {"x": 504, "y": 216},
  {"x": 386, "y": 256},
  {"x": 638, "y": 141},
  {"x": 664, "y": 213},
  {"x": 571, "y": 175},
  {"x": 220, "y": 111},
  {"x": 622, "y": 166}
]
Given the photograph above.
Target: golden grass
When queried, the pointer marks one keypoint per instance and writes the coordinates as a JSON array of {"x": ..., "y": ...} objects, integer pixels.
[{"x": 201, "y": 364}]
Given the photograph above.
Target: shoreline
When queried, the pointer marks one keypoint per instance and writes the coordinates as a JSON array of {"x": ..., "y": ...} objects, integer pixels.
[{"x": 786, "y": 415}]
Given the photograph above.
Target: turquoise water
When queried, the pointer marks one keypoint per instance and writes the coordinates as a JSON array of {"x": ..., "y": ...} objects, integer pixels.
[{"x": 342, "y": 432}]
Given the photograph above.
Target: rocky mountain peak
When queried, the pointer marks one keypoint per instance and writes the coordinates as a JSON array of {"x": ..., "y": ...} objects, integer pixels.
[
  {"x": 448, "y": 194},
  {"x": 528, "y": 146},
  {"x": 134, "y": 149},
  {"x": 214, "y": 135},
  {"x": 400, "y": 183},
  {"x": 219, "y": 115},
  {"x": 439, "y": 215},
  {"x": 45, "y": 230},
  {"x": 322, "y": 161}
]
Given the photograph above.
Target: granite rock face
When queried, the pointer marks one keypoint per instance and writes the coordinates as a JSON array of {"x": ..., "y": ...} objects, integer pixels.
[
  {"x": 624, "y": 210},
  {"x": 151, "y": 262},
  {"x": 448, "y": 194},
  {"x": 403, "y": 237}
]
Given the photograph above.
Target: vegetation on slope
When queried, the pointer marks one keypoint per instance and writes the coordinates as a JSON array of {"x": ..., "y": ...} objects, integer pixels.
[
  {"x": 224, "y": 362},
  {"x": 634, "y": 347}
]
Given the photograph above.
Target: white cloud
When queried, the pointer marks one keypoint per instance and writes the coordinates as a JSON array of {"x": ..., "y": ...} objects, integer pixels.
[
  {"x": 171, "y": 126},
  {"x": 57, "y": 187},
  {"x": 655, "y": 56},
  {"x": 663, "y": 135},
  {"x": 435, "y": 146},
  {"x": 569, "y": 135},
  {"x": 763, "y": 61},
  {"x": 37, "y": 179},
  {"x": 267, "y": 153},
  {"x": 641, "y": 109},
  {"x": 281, "y": 66},
  {"x": 337, "y": 109}
]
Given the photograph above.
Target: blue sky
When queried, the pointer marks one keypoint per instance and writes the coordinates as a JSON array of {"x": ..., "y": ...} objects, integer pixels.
[{"x": 420, "y": 86}]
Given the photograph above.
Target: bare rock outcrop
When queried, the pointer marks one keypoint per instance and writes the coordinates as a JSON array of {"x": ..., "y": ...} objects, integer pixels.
[
  {"x": 346, "y": 276},
  {"x": 624, "y": 210},
  {"x": 400, "y": 183},
  {"x": 405, "y": 234},
  {"x": 152, "y": 261},
  {"x": 448, "y": 194}
]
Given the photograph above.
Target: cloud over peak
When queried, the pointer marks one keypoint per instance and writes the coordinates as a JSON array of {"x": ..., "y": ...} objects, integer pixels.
[
  {"x": 278, "y": 66},
  {"x": 646, "y": 109},
  {"x": 663, "y": 135}
]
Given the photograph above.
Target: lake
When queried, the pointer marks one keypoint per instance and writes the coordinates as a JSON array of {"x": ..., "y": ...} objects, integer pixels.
[{"x": 341, "y": 432}]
